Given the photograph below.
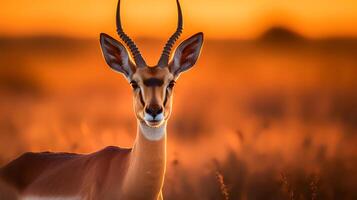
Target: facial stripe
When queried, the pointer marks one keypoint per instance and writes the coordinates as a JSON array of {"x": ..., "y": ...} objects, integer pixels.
[
  {"x": 141, "y": 98},
  {"x": 152, "y": 82},
  {"x": 165, "y": 97}
]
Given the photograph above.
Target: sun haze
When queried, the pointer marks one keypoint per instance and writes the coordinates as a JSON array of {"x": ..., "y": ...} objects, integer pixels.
[{"x": 225, "y": 19}]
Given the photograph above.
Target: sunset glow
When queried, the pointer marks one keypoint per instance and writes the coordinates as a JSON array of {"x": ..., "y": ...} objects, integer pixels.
[
  {"x": 218, "y": 19},
  {"x": 269, "y": 111}
]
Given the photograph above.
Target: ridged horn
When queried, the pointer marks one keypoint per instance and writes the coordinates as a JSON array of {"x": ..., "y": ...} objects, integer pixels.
[
  {"x": 164, "y": 59},
  {"x": 139, "y": 60}
]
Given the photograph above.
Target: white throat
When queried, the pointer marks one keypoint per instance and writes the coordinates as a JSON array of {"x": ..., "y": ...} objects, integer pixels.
[{"x": 153, "y": 133}]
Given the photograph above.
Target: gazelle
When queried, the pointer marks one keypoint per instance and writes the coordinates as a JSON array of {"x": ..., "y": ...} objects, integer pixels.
[{"x": 115, "y": 173}]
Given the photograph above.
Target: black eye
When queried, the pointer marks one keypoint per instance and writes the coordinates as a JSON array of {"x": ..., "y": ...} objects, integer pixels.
[
  {"x": 171, "y": 85},
  {"x": 134, "y": 85}
]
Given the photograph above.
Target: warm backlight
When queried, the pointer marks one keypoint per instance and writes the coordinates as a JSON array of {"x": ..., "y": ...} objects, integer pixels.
[{"x": 157, "y": 18}]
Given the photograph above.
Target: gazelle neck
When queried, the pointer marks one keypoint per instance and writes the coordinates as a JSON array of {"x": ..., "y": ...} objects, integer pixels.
[{"x": 147, "y": 163}]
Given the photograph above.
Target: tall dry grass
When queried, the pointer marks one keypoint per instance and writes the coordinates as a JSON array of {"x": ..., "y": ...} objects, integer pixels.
[{"x": 277, "y": 117}]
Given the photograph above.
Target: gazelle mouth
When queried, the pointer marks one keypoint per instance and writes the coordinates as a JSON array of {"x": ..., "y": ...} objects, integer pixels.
[{"x": 154, "y": 123}]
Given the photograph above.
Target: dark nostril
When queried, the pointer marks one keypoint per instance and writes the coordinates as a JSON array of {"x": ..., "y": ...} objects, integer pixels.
[
  {"x": 159, "y": 111},
  {"x": 154, "y": 110},
  {"x": 148, "y": 111}
]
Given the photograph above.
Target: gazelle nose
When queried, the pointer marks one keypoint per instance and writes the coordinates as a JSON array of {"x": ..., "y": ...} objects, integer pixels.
[{"x": 154, "y": 110}]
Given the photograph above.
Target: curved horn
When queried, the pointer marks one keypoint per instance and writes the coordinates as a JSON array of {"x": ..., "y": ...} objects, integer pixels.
[
  {"x": 164, "y": 59},
  {"x": 139, "y": 60}
]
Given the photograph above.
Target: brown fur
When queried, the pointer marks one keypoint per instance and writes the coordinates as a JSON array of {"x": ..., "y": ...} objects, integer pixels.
[{"x": 62, "y": 174}]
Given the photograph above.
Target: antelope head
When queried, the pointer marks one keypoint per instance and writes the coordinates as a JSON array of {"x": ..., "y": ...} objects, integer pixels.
[{"x": 152, "y": 85}]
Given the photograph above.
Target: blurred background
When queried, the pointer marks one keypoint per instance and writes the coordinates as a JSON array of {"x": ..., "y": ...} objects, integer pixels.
[{"x": 279, "y": 78}]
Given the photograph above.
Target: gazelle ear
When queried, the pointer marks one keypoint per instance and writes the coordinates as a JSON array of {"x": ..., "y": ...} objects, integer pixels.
[
  {"x": 186, "y": 54},
  {"x": 116, "y": 55}
]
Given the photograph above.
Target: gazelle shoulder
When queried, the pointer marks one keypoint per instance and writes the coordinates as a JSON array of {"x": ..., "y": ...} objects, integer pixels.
[
  {"x": 108, "y": 153},
  {"x": 27, "y": 167}
]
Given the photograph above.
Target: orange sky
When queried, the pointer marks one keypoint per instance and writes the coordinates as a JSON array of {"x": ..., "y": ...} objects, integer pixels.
[{"x": 157, "y": 18}]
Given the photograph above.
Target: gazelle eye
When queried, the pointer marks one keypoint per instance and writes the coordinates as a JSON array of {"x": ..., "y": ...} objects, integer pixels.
[
  {"x": 171, "y": 85},
  {"x": 134, "y": 85}
]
